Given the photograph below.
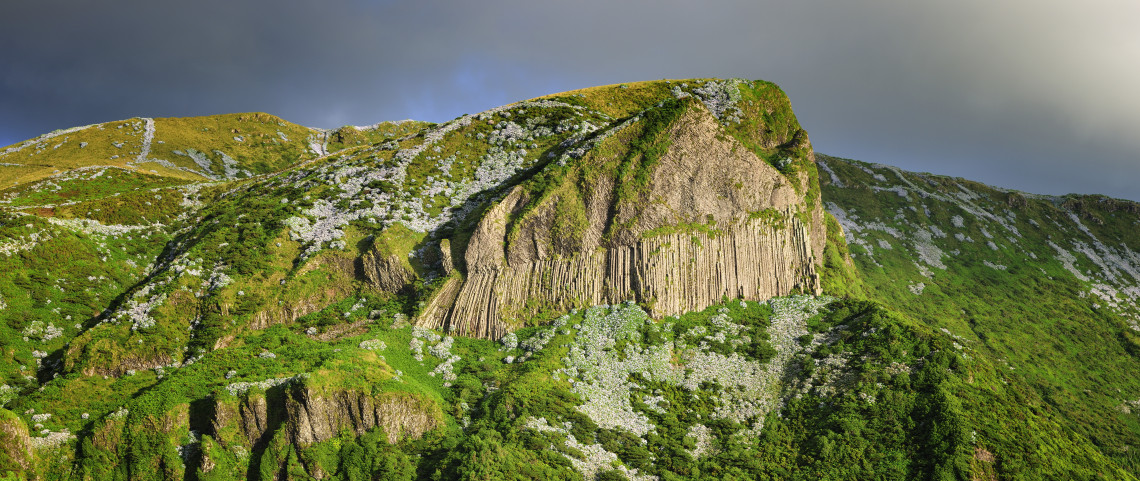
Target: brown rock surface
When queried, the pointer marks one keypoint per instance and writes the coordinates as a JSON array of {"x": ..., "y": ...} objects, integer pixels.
[
  {"x": 387, "y": 273},
  {"x": 312, "y": 416},
  {"x": 15, "y": 446},
  {"x": 315, "y": 417},
  {"x": 714, "y": 221}
]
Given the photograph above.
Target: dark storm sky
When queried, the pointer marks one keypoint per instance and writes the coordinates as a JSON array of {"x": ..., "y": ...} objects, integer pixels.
[{"x": 1042, "y": 95}]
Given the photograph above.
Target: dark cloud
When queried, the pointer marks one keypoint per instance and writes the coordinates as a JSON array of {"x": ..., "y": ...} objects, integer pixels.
[{"x": 1038, "y": 96}]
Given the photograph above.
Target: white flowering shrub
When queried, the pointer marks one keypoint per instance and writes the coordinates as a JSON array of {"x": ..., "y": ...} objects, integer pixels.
[
  {"x": 239, "y": 388},
  {"x": 442, "y": 350},
  {"x": 721, "y": 98},
  {"x": 416, "y": 345},
  {"x": 373, "y": 345},
  {"x": 538, "y": 341},
  {"x": 44, "y": 332},
  {"x": 622, "y": 364},
  {"x": 509, "y": 342},
  {"x": 7, "y": 394}
]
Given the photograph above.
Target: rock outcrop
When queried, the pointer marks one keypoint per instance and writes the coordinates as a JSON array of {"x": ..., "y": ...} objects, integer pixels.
[
  {"x": 388, "y": 273},
  {"x": 714, "y": 220},
  {"x": 252, "y": 415},
  {"x": 15, "y": 446},
  {"x": 311, "y": 416},
  {"x": 315, "y": 417},
  {"x": 342, "y": 271}
]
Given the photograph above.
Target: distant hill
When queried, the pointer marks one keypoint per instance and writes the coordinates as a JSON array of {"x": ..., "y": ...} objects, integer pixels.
[
  {"x": 1046, "y": 285},
  {"x": 218, "y": 147}
]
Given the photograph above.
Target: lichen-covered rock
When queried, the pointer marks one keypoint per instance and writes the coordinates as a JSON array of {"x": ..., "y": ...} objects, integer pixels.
[
  {"x": 713, "y": 220},
  {"x": 311, "y": 415},
  {"x": 388, "y": 273},
  {"x": 15, "y": 447},
  {"x": 314, "y": 416}
]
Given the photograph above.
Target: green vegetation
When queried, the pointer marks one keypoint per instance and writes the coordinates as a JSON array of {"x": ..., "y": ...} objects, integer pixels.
[
  {"x": 89, "y": 185},
  {"x": 351, "y": 136},
  {"x": 707, "y": 228},
  {"x": 247, "y": 309},
  {"x": 618, "y": 101},
  {"x": 839, "y": 276},
  {"x": 257, "y": 142},
  {"x": 990, "y": 266},
  {"x": 636, "y": 168}
]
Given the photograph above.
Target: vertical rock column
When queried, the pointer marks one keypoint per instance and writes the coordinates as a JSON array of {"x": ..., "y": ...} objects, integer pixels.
[{"x": 672, "y": 274}]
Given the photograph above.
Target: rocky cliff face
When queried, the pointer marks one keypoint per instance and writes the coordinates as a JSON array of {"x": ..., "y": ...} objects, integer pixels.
[
  {"x": 387, "y": 273},
  {"x": 15, "y": 446},
  {"x": 311, "y": 416},
  {"x": 712, "y": 220},
  {"x": 316, "y": 417}
]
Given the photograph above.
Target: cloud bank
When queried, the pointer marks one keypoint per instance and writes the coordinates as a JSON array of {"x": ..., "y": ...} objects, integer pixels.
[{"x": 1038, "y": 96}]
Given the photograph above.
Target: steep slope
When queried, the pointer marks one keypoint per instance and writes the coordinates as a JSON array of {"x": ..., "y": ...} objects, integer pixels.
[
  {"x": 62, "y": 172},
  {"x": 667, "y": 209},
  {"x": 792, "y": 388},
  {"x": 1049, "y": 286},
  {"x": 397, "y": 217}
]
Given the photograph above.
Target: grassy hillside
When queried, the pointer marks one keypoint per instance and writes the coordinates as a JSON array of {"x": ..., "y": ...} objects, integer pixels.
[
  {"x": 237, "y": 297},
  {"x": 1047, "y": 286},
  {"x": 193, "y": 148},
  {"x": 795, "y": 388}
]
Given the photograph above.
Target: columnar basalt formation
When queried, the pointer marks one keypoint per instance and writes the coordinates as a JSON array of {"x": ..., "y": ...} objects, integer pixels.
[
  {"x": 714, "y": 221},
  {"x": 311, "y": 416},
  {"x": 317, "y": 417}
]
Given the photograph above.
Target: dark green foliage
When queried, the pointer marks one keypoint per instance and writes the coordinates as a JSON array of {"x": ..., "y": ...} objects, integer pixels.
[
  {"x": 612, "y": 475},
  {"x": 369, "y": 457},
  {"x": 753, "y": 316}
]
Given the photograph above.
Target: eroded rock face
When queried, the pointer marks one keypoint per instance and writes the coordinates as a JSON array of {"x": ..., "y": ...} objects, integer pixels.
[
  {"x": 254, "y": 417},
  {"x": 310, "y": 416},
  {"x": 705, "y": 175},
  {"x": 15, "y": 446},
  {"x": 316, "y": 417},
  {"x": 344, "y": 269},
  {"x": 715, "y": 221},
  {"x": 386, "y": 273}
]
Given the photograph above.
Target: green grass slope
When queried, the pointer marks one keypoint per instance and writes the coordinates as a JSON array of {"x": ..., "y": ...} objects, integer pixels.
[
  {"x": 255, "y": 252},
  {"x": 1047, "y": 286},
  {"x": 193, "y": 148}
]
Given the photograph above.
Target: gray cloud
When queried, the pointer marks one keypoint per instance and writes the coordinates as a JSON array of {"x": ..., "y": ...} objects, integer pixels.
[{"x": 1038, "y": 96}]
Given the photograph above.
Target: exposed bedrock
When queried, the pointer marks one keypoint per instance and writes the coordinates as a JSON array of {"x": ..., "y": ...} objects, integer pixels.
[
  {"x": 311, "y": 416},
  {"x": 714, "y": 220},
  {"x": 15, "y": 445}
]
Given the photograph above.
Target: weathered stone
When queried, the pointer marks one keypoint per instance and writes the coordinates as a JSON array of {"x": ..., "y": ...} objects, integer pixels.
[
  {"x": 311, "y": 416},
  {"x": 15, "y": 447},
  {"x": 715, "y": 221},
  {"x": 445, "y": 259},
  {"x": 387, "y": 273},
  {"x": 314, "y": 417}
]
